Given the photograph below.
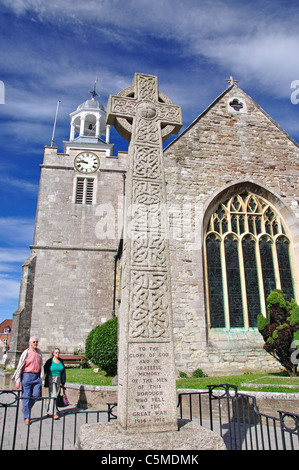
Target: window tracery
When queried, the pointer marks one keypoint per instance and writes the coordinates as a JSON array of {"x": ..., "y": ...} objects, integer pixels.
[{"x": 246, "y": 256}]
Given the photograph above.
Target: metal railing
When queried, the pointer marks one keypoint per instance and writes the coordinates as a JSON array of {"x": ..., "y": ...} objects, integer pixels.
[
  {"x": 222, "y": 409},
  {"x": 236, "y": 418},
  {"x": 43, "y": 432}
]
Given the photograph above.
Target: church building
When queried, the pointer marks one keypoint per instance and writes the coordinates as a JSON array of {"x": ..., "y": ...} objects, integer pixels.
[{"x": 233, "y": 206}]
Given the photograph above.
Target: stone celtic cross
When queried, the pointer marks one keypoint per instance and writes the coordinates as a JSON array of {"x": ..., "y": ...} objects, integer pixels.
[{"x": 147, "y": 399}]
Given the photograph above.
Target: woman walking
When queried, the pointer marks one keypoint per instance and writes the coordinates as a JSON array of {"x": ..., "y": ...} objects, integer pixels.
[{"x": 55, "y": 376}]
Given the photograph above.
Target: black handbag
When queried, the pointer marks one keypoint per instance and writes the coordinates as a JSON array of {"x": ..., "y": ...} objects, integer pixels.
[{"x": 62, "y": 400}]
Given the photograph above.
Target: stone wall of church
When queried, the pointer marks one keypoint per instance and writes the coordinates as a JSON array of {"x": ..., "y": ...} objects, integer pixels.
[
  {"x": 221, "y": 149},
  {"x": 73, "y": 294}
]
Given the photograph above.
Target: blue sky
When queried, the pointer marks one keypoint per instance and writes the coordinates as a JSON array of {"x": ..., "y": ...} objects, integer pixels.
[{"x": 53, "y": 50}]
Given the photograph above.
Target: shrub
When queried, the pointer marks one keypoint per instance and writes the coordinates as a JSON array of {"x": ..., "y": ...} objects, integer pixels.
[
  {"x": 84, "y": 363},
  {"x": 275, "y": 297},
  {"x": 270, "y": 341},
  {"x": 281, "y": 329},
  {"x": 296, "y": 338},
  {"x": 198, "y": 373},
  {"x": 88, "y": 343},
  {"x": 275, "y": 333},
  {"x": 262, "y": 322},
  {"x": 104, "y": 346},
  {"x": 294, "y": 315},
  {"x": 183, "y": 375}
]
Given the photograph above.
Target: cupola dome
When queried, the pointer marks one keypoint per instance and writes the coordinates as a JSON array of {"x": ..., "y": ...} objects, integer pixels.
[{"x": 88, "y": 124}]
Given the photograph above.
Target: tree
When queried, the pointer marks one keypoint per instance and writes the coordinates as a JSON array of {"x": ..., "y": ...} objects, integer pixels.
[{"x": 281, "y": 330}]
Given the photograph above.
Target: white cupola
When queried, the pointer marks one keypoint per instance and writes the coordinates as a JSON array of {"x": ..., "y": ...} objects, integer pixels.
[{"x": 88, "y": 126}]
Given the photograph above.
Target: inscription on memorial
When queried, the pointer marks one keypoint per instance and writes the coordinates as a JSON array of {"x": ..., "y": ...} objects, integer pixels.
[{"x": 148, "y": 375}]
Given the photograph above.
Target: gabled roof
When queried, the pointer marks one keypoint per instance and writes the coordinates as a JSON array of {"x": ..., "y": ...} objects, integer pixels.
[
  {"x": 227, "y": 90},
  {"x": 5, "y": 324}
]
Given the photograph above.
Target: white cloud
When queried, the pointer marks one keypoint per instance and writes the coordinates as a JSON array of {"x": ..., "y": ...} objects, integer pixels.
[
  {"x": 9, "y": 288},
  {"x": 14, "y": 255},
  {"x": 255, "y": 40},
  {"x": 17, "y": 183},
  {"x": 270, "y": 60},
  {"x": 9, "y": 295},
  {"x": 16, "y": 230}
]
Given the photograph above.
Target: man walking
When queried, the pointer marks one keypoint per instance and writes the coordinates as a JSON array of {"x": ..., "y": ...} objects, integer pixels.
[{"x": 29, "y": 374}]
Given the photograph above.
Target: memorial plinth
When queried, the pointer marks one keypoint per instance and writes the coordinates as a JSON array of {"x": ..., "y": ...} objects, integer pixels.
[{"x": 190, "y": 436}]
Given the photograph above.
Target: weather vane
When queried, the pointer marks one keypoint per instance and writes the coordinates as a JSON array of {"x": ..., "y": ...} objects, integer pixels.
[{"x": 94, "y": 91}]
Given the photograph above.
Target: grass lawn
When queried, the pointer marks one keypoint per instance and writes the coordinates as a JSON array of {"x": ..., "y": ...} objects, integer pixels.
[
  {"x": 89, "y": 377},
  {"x": 271, "y": 382}
]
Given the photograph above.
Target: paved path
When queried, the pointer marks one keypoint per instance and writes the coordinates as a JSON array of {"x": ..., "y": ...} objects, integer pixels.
[{"x": 43, "y": 433}]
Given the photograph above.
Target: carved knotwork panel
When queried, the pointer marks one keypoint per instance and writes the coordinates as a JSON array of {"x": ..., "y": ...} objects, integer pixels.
[
  {"x": 169, "y": 114},
  {"x": 146, "y": 192},
  {"x": 147, "y": 87},
  {"x": 123, "y": 106},
  {"x": 146, "y": 211},
  {"x": 145, "y": 218},
  {"x": 149, "y": 305},
  {"x": 148, "y": 250},
  {"x": 147, "y": 131},
  {"x": 146, "y": 162}
]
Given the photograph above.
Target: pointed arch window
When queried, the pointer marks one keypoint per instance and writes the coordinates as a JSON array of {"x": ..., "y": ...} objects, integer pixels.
[{"x": 247, "y": 254}]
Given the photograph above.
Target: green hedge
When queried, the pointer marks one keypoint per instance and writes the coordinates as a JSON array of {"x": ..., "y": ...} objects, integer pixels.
[
  {"x": 101, "y": 346},
  {"x": 88, "y": 343}
]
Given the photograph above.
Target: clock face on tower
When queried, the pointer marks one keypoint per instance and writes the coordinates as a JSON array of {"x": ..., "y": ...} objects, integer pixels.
[{"x": 87, "y": 162}]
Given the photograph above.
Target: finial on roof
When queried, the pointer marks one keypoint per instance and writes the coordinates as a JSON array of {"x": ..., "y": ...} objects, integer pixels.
[
  {"x": 231, "y": 81},
  {"x": 94, "y": 91}
]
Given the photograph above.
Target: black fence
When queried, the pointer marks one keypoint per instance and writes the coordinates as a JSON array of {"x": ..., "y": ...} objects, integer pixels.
[
  {"x": 222, "y": 409},
  {"x": 43, "y": 432},
  {"x": 236, "y": 418}
]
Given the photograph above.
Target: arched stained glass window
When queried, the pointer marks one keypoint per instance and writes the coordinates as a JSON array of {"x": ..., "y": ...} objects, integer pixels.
[
  {"x": 215, "y": 280},
  {"x": 268, "y": 273},
  {"x": 283, "y": 256},
  {"x": 251, "y": 278},
  {"x": 247, "y": 254},
  {"x": 233, "y": 281}
]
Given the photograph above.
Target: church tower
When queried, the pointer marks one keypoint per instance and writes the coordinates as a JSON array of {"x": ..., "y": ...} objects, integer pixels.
[{"x": 68, "y": 280}]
